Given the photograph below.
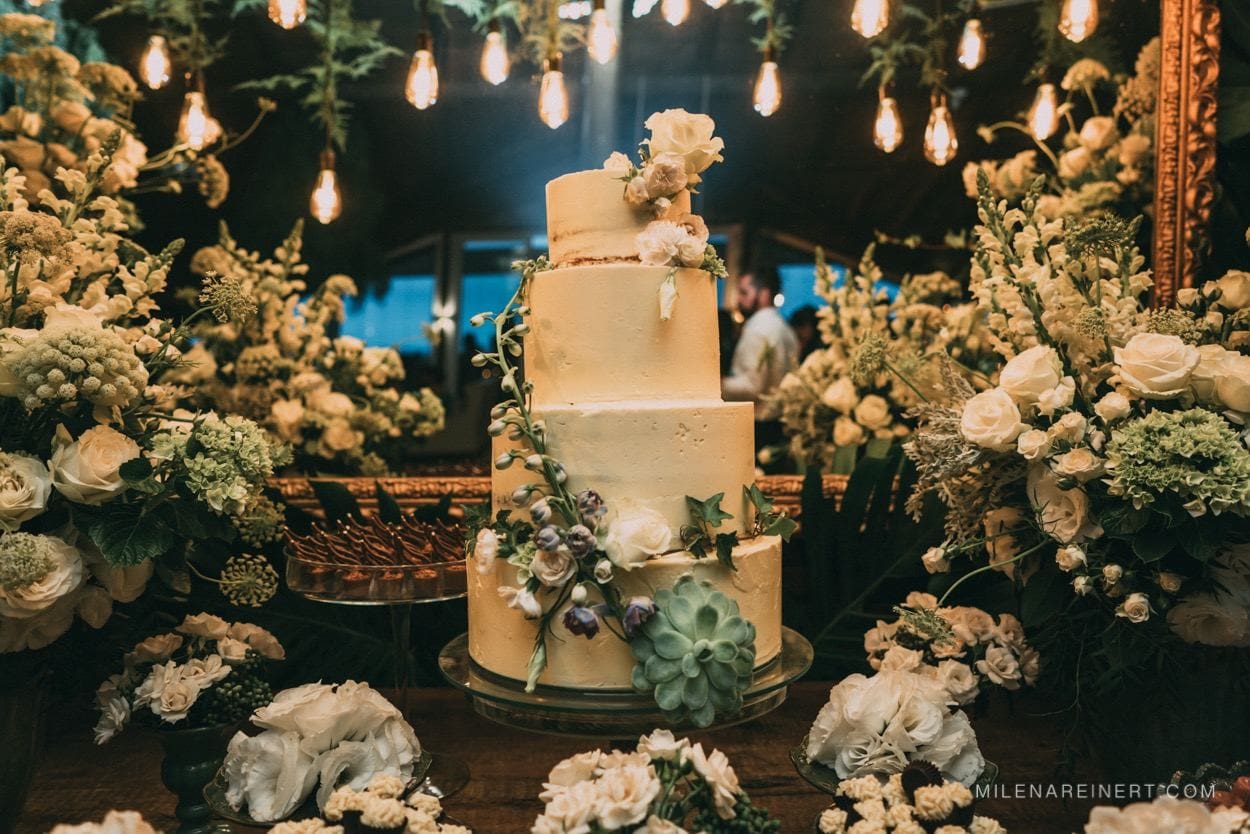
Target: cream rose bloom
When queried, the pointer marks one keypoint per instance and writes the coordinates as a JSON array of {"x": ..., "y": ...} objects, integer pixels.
[
  {"x": 957, "y": 679},
  {"x": 485, "y": 550},
  {"x": 65, "y": 572},
  {"x": 1135, "y": 608},
  {"x": 689, "y": 135},
  {"x": 1213, "y": 619},
  {"x": 991, "y": 420},
  {"x": 1098, "y": 133},
  {"x": 265, "y": 644},
  {"x": 1001, "y": 667},
  {"x": 625, "y": 795},
  {"x": 24, "y": 489},
  {"x": 873, "y": 412},
  {"x": 158, "y": 648},
  {"x": 167, "y": 693},
  {"x": 1079, "y": 463},
  {"x": 204, "y": 625},
  {"x": 86, "y": 470},
  {"x": 1070, "y": 557},
  {"x": 1234, "y": 289},
  {"x": 662, "y": 744},
  {"x": 232, "y": 650},
  {"x": 1156, "y": 366},
  {"x": 635, "y": 535},
  {"x": 665, "y": 175},
  {"x": 935, "y": 561},
  {"x": 618, "y": 165},
  {"x": 1063, "y": 513},
  {"x": 1112, "y": 407},
  {"x": 553, "y": 567},
  {"x": 841, "y": 395},
  {"x": 1232, "y": 382},
  {"x": 1029, "y": 375},
  {"x": 1034, "y": 444}
]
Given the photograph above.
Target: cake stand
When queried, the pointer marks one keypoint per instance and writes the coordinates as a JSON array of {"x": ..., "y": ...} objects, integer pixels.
[{"x": 622, "y": 714}]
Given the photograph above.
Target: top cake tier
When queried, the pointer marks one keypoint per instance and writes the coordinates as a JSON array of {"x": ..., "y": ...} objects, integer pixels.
[{"x": 589, "y": 220}]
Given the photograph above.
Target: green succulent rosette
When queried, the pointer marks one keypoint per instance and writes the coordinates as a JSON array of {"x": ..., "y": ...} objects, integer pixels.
[{"x": 696, "y": 653}]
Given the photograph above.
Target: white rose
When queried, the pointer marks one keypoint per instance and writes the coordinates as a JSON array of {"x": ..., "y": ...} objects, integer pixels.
[
  {"x": 1062, "y": 513},
  {"x": 901, "y": 659},
  {"x": 24, "y": 489},
  {"x": 208, "y": 626},
  {"x": 265, "y": 644},
  {"x": 1232, "y": 382},
  {"x": 1034, "y": 444},
  {"x": 1156, "y": 366},
  {"x": 873, "y": 412},
  {"x": 1234, "y": 289},
  {"x": 661, "y": 744},
  {"x": 625, "y": 795},
  {"x": 1202, "y": 380},
  {"x": 665, "y": 175},
  {"x": 840, "y": 395},
  {"x": 958, "y": 681},
  {"x": 1098, "y": 133},
  {"x": 636, "y": 191},
  {"x": 167, "y": 693},
  {"x": 635, "y": 535},
  {"x": 69, "y": 317},
  {"x": 1001, "y": 667},
  {"x": 1170, "y": 582},
  {"x": 553, "y": 567},
  {"x": 991, "y": 419},
  {"x": 715, "y": 769},
  {"x": 1135, "y": 608},
  {"x": 1083, "y": 586},
  {"x": 846, "y": 432},
  {"x": 1211, "y": 619},
  {"x": 485, "y": 550},
  {"x": 65, "y": 571},
  {"x": 618, "y": 165},
  {"x": 687, "y": 135},
  {"x": 1070, "y": 557},
  {"x": 935, "y": 561},
  {"x": 158, "y": 648},
  {"x": 1032, "y": 373},
  {"x": 86, "y": 470},
  {"x": 232, "y": 650},
  {"x": 1112, "y": 407},
  {"x": 1057, "y": 398},
  {"x": 1079, "y": 463},
  {"x": 1070, "y": 427}
]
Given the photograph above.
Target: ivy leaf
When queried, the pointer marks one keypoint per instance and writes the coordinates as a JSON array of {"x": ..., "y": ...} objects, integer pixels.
[
  {"x": 781, "y": 525},
  {"x": 124, "y": 536},
  {"x": 725, "y": 544},
  {"x": 709, "y": 510}
]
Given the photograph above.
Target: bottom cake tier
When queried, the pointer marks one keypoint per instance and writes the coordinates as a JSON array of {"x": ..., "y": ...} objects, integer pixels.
[{"x": 501, "y": 639}]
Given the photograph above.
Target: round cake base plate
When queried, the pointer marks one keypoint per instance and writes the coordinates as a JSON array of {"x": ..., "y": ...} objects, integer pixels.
[{"x": 610, "y": 715}]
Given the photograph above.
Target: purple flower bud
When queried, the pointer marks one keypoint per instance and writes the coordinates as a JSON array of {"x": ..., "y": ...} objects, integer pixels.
[
  {"x": 639, "y": 610},
  {"x": 581, "y": 541},
  {"x": 590, "y": 506},
  {"x": 581, "y": 620},
  {"x": 540, "y": 511},
  {"x": 547, "y": 538}
]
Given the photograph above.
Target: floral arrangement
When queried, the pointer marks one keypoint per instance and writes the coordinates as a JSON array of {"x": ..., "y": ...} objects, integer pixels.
[
  {"x": 317, "y": 737},
  {"x": 1104, "y": 164},
  {"x": 1167, "y": 815},
  {"x": 335, "y": 401},
  {"x": 915, "y": 801},
  {"x": 961, "y": 647},
  {"x": 573, "y": 544},
  {"x": 667, "y": 786},
  {"x": 830, "y": 410},
  {"x": 114, "y": 822},
  {"x": 101, "y": 479},
  {"x": 381, "y": 806},
  {"x": 878, "y": 725},
  {"x": 204, "y": 673}
]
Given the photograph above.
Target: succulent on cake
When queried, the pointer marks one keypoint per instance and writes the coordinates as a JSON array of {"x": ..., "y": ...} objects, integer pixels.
[{"x": 696, "y": 653}]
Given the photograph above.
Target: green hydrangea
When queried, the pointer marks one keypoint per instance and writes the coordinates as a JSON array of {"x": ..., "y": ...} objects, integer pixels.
[
  {"x": 1193, "y": 454},
  {"x": 696, "y": 653},
  {"x": 24, "y": 560},
  {"x": 66, "y": 365},
  {"x": 227, "y": 461}
]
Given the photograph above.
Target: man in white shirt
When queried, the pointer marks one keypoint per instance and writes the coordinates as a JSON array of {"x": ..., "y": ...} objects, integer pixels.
[{"x": 766, "y": 351}]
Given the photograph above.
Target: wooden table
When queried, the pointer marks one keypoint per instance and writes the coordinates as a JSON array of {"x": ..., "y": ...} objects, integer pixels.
[{"x": 77, "y": 781}]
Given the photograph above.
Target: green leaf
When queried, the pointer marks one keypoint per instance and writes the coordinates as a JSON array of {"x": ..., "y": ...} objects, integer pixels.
[
  {"x": 708, "y": 511},
  {"x": 336, "y": 499},
  {"x": 725, "y": 544},
  {"x": 124, "y": 536},
  {"x": 1154, "y": 546},
  {"x": 388, "y": 508},
  {"x": 135, "y": 470},
  {"x": 761, "y": 502},
  {"x": 1044, "y": 597},
  {"x": 783, "y": 526}
]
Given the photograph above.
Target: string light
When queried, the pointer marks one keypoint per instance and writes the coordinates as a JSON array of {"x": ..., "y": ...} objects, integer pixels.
[
  {"x": 971, "y": 53},
  {"x": 288, "y": 13},
  {"x": 887, "y": 127},
  {"x": 601, "y": 41},
  {"x": 940, "y": 142},
  {"x": 155, "y": 64},
  {"x": 421, "y": 88},
  {"x": 870, "y": 17},
  {"x": 675, "y": 11},
  {"x": 1044, "y": 114},
  {"x": 495, "y": 63},
  {"x": 767, "y": 96},
  {"x": 1078, "y": 19},
  {"x": 716, "y": 4},
  {"x": 553, "y": 98},
  {"x": 197, "y": 129},
  {"x": 326, "y": 202}
]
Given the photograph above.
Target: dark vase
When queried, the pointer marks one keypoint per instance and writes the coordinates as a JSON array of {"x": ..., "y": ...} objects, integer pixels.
[
  {"x": 192, "y": 758},
  {"x": 21, "y": 727}
]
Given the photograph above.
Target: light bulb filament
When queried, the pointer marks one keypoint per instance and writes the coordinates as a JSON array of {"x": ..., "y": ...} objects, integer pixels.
[
  {"x": 971, "y": 45},
  {"x": 495, "y": 63},
  {"x": 675, "y": 11},
  {"x": 421, "y": 88},
  {"x": 1078, "y": 19},
  {"x": 155, "y": 64},
  {"x": 767, "y": 95},
  {"x": 197, "y": 129},
  {"x": 553, "y": 98},
  {"x": 1044, "y": 114},
  {"x": 288, "y": 13},
  {"x": 870, "y": 17},
  {"x": 601, "y": 41},
  {"x": 940, "y": 142},
  {"x": 887, "y": 128},
  {"x": 326, "y": 201}
]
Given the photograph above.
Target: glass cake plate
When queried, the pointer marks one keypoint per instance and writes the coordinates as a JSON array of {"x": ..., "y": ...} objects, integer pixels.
[{"x": 611, "y": 715}]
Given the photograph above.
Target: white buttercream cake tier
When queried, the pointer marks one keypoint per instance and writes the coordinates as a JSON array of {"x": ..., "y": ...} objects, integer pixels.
[
  {"x": 501, "y": 639},
  {"x": 589, "y": 219}
]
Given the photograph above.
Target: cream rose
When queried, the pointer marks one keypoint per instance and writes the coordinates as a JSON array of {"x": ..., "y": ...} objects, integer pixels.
[
  {"x": 1001, "y": 667},
  {"x": 665, "y": 175},
  {"x": 635, "y": 535},
  {"x": 1063, "y": 513},
  {"x": 618, "y": 165},
  {"x": 232, "y": 650},
  {"x": 1156, "y": 366},
  {"x": 1112, "y": 407},
  {"x": 1079, "y": 463},
  {"x": 1070, "y": 427},
  {"x": 1135, "y": 608},
  {"x": 1234, "y": 289},
  {"x": 625, "y": 795},
  {"x": 1034, "y": 444},
  {"x": 265, "y": 644},
  {"x": 662, "y": 744},
  {"x": 689, "y": 135},
  {"x": 1098, "y": 133},
  {"x": 1070, "y": 557},
  {"x": 935, "y": 561},
  {"x": 158, "y": 648},
  {"x": 24, "y": 489},
  {"x": 86, "y": 470},
  {"x": 958, "y": 681},
  {"x": 1232, "y": 382},
  {"x": 60, "y": 572},
  {"x": 1029, "y": 375},
  {"x": 204, "y": 625},
  {"x": 1211, "y": 619},
  {"x": 840, "y": 395},
  {"x": 991, "y": 419},
  {"x": 69, "y": 317},
  {"x": 1202, "y": 380},
  {"x": 873, "y": 412},
  {"x": 636, "y": 191},
  {"x": 553, "y": 567},
  {"x": 485, "y": 550}
]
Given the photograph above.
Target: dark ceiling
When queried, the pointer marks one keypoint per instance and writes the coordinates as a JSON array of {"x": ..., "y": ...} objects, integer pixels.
[{"x": 478, "y": 160}]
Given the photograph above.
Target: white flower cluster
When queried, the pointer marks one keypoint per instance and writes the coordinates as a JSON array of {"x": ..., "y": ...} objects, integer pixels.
[
  {"x": 877, "y": 805},
  {"x": 681, "y": 147},
  {"x": 879, "y": 724},
  {"x": 1166, "y": 815},
  {"x": 114, "y": 822},
  {"x": 972, "y": 651},
  {"x": 317, "y": 735},
  {"x": 678, "y": 242},
  {"x": 380, "y": 806},
  {"x": 633, "y": 792}
]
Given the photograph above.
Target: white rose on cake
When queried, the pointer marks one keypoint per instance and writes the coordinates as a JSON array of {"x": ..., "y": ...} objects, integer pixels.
[
  {"x": 689, "y": 135},
  {"x": 635, "y": 534},
  {"x": 86, "y": 470},
  {"x": 1156, "y": 366}
]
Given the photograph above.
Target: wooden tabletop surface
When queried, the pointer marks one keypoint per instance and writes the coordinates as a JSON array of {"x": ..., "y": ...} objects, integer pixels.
[{"x": 77, "y": 781}]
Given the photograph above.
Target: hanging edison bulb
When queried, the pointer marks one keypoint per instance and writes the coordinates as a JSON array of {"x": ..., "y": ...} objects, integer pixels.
[
  {"x": 326, "y": 201},
  {"x": 716, "y": 4},
  {"x": 197, "y": 129},
  {"x": 155, "y": 64},
  {"x": 887, "y": 127},
  {"x": 421, "y": 88},
  {"x": 767, "y": 95},
  {"x": 601, "y": 41},
  {"x": 675, "y": 11},
  {"x": 553, "y": 98},
  {"x": 1044, "y": 114},
  {"x": 495, "y": 63},
  {"x": 870, "y": 17},
  {"x": 288, "y": 13},
  {"x": 1078, "y": 19},
  {"x": 971, "y": 53},
  {"x": 940, "y": 142}
]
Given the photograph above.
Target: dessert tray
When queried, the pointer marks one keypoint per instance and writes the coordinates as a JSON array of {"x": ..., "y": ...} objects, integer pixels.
[{"x": 614, "y": 714}]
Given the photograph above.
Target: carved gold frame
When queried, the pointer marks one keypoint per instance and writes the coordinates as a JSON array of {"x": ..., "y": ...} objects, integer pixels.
[{"x": 1184, "y": 141}]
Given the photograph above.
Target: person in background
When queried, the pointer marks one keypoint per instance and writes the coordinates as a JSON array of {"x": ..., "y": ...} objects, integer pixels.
[
  {"x": 767, "y": 349},
  {"x": 803, "y": 323}
]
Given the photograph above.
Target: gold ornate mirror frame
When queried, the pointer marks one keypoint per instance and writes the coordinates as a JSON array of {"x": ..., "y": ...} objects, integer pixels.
[{"x": 1185, "y": 147}]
